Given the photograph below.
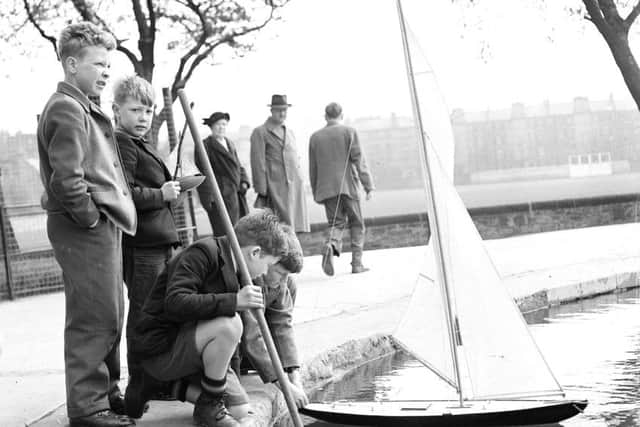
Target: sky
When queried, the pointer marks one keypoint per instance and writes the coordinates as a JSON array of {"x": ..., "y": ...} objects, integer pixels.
[{"x": 350, "y": 51}]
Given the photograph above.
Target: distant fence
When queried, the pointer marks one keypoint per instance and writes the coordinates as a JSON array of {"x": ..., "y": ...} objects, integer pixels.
[{"x": 27, "y": 264}]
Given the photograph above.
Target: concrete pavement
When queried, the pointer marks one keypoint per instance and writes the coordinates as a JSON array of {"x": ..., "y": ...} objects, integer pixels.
[{"x": 539, "y": 269}]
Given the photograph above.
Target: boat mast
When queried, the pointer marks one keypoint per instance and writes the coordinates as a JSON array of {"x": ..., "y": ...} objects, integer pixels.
[{"x": 431, "y": 207}]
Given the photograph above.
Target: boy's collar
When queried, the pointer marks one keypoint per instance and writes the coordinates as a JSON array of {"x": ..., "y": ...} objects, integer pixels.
[
  {"x": 75, "y": 93},
  {"x": 124, "y": 131}
]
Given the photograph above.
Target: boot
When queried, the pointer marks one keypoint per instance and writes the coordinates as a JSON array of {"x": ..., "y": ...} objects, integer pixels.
[
  {"x": 209, "y": 411},
  {"x": 327, "y": 259},
  {"x": 140, "y": 390},
  {"x": 116, "y": 402},
  {"x": 355, "y": 269},
  {"x": 356, "y": 262}
]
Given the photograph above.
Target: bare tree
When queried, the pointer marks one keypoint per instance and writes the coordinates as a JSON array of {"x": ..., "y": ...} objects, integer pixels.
[
  {"x": 605, "y": 15},
  {"x": 191, "y": 29},
  {"x": 608, "y": 17}
]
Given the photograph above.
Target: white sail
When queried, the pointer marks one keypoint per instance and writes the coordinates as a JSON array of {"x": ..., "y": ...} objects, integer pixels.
[
  {"x": 423, "y": 330},
  {"x": 495, "y": 355},
  {"x": 499, "y": 354},
  {"x": 435, "y": 114}
]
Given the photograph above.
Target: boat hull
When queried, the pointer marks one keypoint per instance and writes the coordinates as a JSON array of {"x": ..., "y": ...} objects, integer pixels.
[{"x": 446, "y": 413}]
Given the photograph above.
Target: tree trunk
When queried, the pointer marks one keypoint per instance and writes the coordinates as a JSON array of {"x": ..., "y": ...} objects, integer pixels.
[
  {"x": 619, "y": 46},
  {"x": 615, "y": 30}
]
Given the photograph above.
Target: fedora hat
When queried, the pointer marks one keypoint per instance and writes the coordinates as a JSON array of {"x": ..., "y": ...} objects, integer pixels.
[
  {"x": 279, "y": 101},
  {"x": 215, "y": 117}
]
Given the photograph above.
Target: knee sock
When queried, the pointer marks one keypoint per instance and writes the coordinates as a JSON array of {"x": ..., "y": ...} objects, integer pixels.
[{"x": 214, "y": 387}]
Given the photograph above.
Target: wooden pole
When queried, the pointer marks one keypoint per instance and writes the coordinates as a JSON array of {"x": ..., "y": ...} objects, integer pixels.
[
  {"x": 178, "y": 208},
  {"x": 171, "y": 124},
  {"x": 245, "y": 278}
]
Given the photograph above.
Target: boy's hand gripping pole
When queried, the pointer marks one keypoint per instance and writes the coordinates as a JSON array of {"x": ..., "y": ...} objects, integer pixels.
[{"x": 245, "y": 278}]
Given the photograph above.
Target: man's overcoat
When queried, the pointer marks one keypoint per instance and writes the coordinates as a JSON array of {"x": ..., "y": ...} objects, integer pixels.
[{"x": 276, "y": 174}]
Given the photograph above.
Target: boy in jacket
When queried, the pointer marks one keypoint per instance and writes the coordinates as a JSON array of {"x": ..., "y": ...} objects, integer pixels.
[
  {"x": 88, "y": 206},
  {"x": 153, "y": 190},
  {"x": 189, "y": 325}
]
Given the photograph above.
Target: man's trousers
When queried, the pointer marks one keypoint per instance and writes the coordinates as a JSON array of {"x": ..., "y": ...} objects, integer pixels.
[{"x": 341, "y": 210}]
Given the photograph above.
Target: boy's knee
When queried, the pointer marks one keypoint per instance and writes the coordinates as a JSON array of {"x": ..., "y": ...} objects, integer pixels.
[
  {"x": 219, "y": 329},
  {"x": 225, "y": 327},
  {"x": 233, "y": 327}
]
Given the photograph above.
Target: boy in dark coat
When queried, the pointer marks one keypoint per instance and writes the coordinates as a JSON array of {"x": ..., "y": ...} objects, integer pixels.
[
  {"x": 279, "y": 290},
  {"x": 88, "y": 206},
  {"x": 190, "y": 326},
  {"x": 153, "y": 190},
  {"x": 231, "y": 176}
]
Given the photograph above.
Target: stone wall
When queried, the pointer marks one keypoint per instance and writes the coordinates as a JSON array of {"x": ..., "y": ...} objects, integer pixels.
[
  {"x": 37, "y": 272},
  {"x": 492, "y": 223}
]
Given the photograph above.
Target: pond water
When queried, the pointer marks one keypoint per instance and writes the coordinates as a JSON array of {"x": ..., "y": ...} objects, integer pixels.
[{"x": 592, "y": 346}]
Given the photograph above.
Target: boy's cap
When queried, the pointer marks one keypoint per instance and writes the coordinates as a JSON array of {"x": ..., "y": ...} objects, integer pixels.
[
  {"x": 333, "y": 110},
  {"x": 218, "y": 115}
]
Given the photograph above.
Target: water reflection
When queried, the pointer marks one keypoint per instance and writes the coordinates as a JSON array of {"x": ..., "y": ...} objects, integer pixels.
[{"x": 592, "y": 346}]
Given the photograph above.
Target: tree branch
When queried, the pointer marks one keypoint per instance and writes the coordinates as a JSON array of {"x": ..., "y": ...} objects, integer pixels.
[
  {"x": 130, "y": 55},
  {"x": 628, "y": 22},
  {"x": 152, "y": 17},
  {"x": 610, "y": 13},
  {"x": 595, "y": 14},
  {"x": 35, "y": 23},
  {"x": 140, "y": 18}
]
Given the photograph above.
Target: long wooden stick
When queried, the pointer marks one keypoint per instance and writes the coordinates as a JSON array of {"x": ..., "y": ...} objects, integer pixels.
[{"x": 245, "y": 278}]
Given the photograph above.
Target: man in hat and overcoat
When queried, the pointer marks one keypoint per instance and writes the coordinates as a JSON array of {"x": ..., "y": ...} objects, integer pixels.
[
  {"x": 231, "y": 176},
  {"x": 275, "y": 168}
]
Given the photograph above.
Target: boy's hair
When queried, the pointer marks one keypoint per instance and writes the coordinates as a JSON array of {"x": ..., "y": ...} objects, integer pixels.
[
  {"x": 261, "y": 227},
  {"x": 134, "y": 87},
  {"x": 76, "y": 37},
  {"x": 294, "y": 258}
]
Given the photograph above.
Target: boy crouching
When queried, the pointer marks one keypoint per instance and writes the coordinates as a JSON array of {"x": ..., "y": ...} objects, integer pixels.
[
  {"x": 279, "y": 290},
  {"x": 189, "y": 324}
]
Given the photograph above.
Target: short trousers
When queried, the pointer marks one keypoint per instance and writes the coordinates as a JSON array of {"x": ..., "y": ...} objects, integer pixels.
[{"x": 184, "y": 361}]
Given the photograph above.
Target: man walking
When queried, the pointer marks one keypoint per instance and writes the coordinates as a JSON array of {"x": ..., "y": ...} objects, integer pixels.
[
  {"x": 337, "y": 168},
  {"x": 275, "y": 168}
]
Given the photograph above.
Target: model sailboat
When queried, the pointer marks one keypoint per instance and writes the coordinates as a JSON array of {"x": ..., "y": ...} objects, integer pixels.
[{"x": 463, "y": 325}]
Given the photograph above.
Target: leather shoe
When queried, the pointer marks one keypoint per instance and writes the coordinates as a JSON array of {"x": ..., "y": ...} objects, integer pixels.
[
  {"x": 327, "y": 260},
  {"x": 104, "y": 418}
]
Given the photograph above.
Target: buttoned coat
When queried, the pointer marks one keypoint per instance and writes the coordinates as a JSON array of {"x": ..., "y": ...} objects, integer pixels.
[
  {"x": 80, "y": 165},
  {"x": 276, "y": 174},
  {"x": 331, "y": 150},
  {"x": 146, "y": 173},
  {"x": 230, "y": 175}
]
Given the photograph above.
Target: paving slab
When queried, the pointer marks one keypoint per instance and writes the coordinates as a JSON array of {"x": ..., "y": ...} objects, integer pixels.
[{"x": 548, "y": 267}]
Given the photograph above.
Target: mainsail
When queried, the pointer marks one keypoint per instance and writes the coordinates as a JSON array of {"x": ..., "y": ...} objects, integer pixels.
[{"x": 464, "y": 325}]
